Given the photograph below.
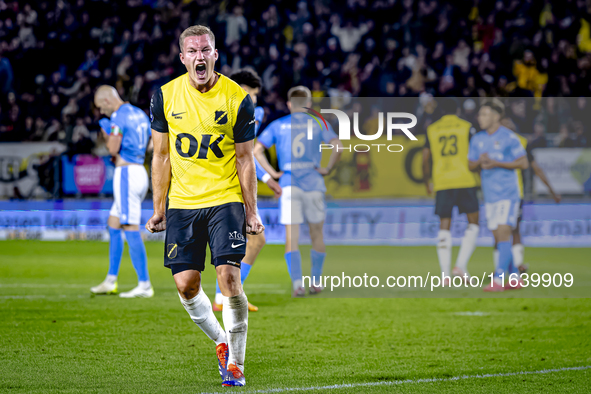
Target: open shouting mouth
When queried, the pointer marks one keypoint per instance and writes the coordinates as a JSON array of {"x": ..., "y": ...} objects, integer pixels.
[{"x": 201, "y": 70}]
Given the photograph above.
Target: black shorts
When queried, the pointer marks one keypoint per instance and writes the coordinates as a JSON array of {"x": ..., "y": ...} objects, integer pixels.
[
  {"x": 188, "y": 231},
  {"x": 465, "y": 199}
]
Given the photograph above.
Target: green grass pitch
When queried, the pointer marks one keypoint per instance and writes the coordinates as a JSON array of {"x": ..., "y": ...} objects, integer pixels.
[{"x": 55, "y": 338}]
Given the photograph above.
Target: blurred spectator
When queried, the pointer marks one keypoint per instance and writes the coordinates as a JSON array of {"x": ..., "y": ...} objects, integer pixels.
[
  {"x": 429, "y": 48},
  {"x": 562, "y": 136},
  {"x": 538, "y": 139},
  {"x": 578, "y": 139},
  {"x": 80, "y": 131},
  {"x": 528, "y": 76},
  {"x": 54, "y": 132},
  {"x": 236, "y": 25},
  {"x": 38, "y": 131},
  {"x": 6, "y": 75},
  {"x": 349, "y": 36}
]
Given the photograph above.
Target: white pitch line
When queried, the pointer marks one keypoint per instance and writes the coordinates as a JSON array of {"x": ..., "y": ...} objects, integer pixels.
[
  {"x": 39, "y": 296},
  {"x": 34, "y": 285},
  {"x": 476, "y": 313},
  {"x": 410, "y": 381},
  {"x": 65, "y": 296},
  {"x": 257, "y": 286}
]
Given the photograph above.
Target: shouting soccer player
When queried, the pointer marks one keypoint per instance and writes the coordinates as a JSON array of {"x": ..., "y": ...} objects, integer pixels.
[
  {"x": 447, "y": 144},
  {"x": 302, "y": 183},
  {"x": 497, "y": 153},
  {"x": 251, "y": 83},
  {"x": 203, "y": 126},
  {"x": 127, "y": 134}
]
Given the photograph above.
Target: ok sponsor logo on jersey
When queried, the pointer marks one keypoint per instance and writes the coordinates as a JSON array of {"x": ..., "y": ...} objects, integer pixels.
[{"x": 188, "y": 146}]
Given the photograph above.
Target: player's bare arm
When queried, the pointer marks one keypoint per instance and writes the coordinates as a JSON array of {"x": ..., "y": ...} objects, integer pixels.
[
  {"x": 427, "y": 170},
  {"x": 114, "y": 144},
  {"x": 160, "y": 181},
  {"x": 474, "y": 166},
  {"x": 334, "y": 157},
  {"x": 274, "y": 186},
  {"x": 248, "y": 182},
  {"x": 487, "y": 163},
  {"x": 259, "y": 153},
  {"x": 150, "y": 147},
  {"x": 540, "y": 174}
]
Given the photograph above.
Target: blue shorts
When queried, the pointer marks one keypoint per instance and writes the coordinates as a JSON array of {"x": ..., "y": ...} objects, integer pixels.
[{"x": 188, "y": 231}]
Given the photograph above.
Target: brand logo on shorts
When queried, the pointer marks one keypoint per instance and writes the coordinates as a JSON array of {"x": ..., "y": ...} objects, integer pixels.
[
  {"x": 235, "y": 246},
  {"x": 171, "y": 250},
  {"x": 236, "y": 236},
  {"x": 235, "y": 263}
]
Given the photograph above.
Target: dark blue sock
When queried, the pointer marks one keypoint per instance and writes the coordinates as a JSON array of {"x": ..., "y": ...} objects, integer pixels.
[
  {"x": 504, "y": 258},
  {"x": 115, "y": 250},
  {"x": 317, "y": 259},
  {"x": 137, "y": 252},
  {"x": 244, "y": 271}
]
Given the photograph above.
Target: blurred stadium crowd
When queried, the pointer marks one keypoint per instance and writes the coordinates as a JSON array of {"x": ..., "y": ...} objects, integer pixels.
[{"x": 53, "y": 54}]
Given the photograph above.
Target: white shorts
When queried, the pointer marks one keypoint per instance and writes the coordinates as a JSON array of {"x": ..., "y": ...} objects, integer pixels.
[
  {"x": 297, "y": 205},
  {"x": 502, "y": 212},
  {"x": 130, "y": 185}
]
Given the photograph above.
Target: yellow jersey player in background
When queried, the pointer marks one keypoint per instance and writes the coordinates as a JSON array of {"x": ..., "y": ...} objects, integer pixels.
[
  {"x": 203, "y": 129},
  {"x": 446, "y": 151},
  {"x": 517, "y": 250}
]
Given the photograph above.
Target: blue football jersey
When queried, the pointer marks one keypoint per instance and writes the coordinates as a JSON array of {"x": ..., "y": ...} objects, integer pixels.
[
  {"x": 134, "y": 127},
  {"x": 260, "y": 170},
  {"x": 298, "y": 156},
  {"x": 503, "y": 145}
]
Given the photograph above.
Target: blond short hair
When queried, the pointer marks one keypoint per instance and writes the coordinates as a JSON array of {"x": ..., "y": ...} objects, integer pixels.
[
  {"x": 299, "y": 91},
  {"x": 197, "y": 30}
]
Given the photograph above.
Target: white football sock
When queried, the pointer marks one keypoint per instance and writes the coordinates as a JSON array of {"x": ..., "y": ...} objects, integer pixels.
[
  {"x": 111, "y": 278},
  {"x": 496, "y": 257},
  {"x": 517, "y": 251},
  {"x": 219, "y": 298},
  {"x": 467, "y": 247},
  {"x": 199, "y": 308},
  {"x": 444, "y": 251},
  {"x": 235, "y": 315},
  {"x": 144, "y": 285}
]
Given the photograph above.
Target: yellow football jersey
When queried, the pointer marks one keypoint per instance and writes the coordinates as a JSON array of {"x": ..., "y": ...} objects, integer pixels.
[
  {"x": 449, "y": 142},
  {"x": 523, "y": 141},
  {"x": 203, "y": 129}
]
